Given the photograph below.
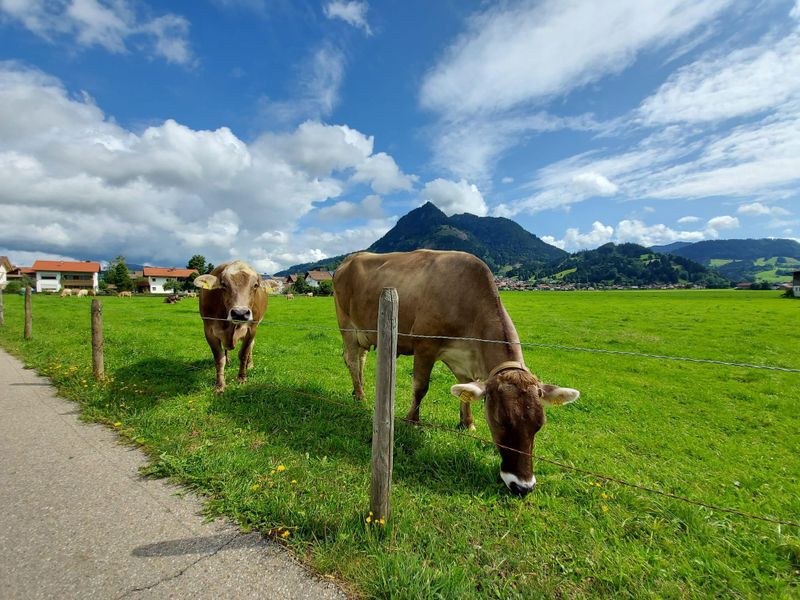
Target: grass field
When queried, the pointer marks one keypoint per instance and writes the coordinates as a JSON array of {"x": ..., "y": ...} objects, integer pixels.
[{"x": 275, "y": 454}]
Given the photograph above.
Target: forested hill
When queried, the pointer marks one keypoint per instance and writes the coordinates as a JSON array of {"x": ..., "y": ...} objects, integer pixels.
[
  {"x": 500, "y": 243},
  {"x": 631, "y": 264},
  {"x": 745, "y": 260}
]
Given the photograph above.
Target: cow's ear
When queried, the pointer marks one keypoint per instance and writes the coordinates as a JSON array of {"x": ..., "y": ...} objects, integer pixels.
[
  {"x": 469, "y": 391},
  {"x": 552, "y": 395},
  {"x": 206, "y": 282}
]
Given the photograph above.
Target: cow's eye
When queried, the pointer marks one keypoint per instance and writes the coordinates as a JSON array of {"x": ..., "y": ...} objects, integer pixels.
[
  {"x": 223, "y": 285},
  {"x": 255, "y": 285}
]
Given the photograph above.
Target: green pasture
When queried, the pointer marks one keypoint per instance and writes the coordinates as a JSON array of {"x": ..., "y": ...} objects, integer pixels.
[{"x": 288, "y": 452}]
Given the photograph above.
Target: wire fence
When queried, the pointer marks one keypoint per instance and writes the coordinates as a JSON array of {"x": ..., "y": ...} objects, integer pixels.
[{"x": 534, "y": 457}]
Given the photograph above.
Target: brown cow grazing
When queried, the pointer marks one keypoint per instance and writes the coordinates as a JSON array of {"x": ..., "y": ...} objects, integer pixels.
[
  {"x": 450, "y": 294},
  {"x": 233, "y": 300},
  {"x": 125, "y": 295}
]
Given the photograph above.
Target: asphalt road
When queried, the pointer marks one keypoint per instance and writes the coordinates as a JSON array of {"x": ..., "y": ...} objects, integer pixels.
[{"x": 78, "y": 521}]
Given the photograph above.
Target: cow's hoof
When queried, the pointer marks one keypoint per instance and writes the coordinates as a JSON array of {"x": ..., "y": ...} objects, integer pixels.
[
  {"x": 218, "y": 389},
  {"x": 241, "y": 379},
  {"x": 411, "y": 420},
  {"x": 470, "y": 427}
]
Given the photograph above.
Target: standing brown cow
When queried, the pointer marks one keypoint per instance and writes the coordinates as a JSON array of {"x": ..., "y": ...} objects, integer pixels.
[
  {"x": 233, "y": 300},
  {"x": 450, "y": 294}
]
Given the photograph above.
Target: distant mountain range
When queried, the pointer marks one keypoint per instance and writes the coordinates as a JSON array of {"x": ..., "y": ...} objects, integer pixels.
[
  {"x": 500, "y": 243},
  {"x": 512, "y": 251},
  {"x": 742, "y": 260},
  {"x": 631, "y": 264}
]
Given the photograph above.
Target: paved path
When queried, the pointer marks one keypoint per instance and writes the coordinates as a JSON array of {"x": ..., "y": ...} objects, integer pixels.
[{"x": 77, "y": 520}]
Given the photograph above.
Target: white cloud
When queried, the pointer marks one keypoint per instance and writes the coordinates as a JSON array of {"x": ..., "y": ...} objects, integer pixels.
[
  {"x": 110, "y": 25},
  {"x": 383, "y": 174},
  {"x": 369, "y": 208},
  {"x": 594, "y": 184},
  {"x": 739, "y": 83},
  {"x": 513, "y": 54},
  {"x": 795, "y": 12},
  {"x": 638, "y": 232},
  {"x": 75, "y": 183},
  {"x": 689, "y": 219},
  {"x": 354, "y": 13},
  {"x": 575, "y": 240},
  {"x": 758, "y": 209},
  {"x": 507, "y": 180},
  {"x": 723, "y": 222},
  {"x": 454, "y": 197},
  {"x": 316, "y": 90}
]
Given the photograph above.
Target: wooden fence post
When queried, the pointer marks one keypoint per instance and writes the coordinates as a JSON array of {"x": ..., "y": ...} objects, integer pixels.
[
  {"x": 383, "y": 419},
  {"x": 28, "y": 318},
  {"x": 2, "y": 316},
  {"x": 97, "y": 340}
]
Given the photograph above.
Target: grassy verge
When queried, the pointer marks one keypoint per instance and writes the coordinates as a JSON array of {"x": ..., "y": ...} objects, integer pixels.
[{"x": 288, "y": 452}]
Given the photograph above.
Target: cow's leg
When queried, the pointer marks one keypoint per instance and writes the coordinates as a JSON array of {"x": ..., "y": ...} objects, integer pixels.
[
  {"x": 246, "y": 356},
  {"x": 355, "y": 357},
  {"x": 220, "y": 355},
  {"x": 423, "y": 365}
]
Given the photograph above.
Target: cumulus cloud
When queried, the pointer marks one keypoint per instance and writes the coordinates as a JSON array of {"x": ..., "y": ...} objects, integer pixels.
[
  {"x": 689, "y": 219},
  {"x": 757, "y": 209},
  {"x": 354, "y": 13},
  {"x": 114, "y": 26},
  {"x": 722, "y": 223},
  {"x": 639, "y": 232},
  {"x": 73, "y": 182},
  {"x": 383, "y": 174},
  {"x": 454, "y": 197},
  {"x": 370, "y": 207},
  {"x": 594, "y": 184},
  {"x": 575, "y": 240}
]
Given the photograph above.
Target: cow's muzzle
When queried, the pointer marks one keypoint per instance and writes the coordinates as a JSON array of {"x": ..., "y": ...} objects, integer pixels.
[
  {"x": 516, "y": 485},
  {"x": 240, "y": 314}
]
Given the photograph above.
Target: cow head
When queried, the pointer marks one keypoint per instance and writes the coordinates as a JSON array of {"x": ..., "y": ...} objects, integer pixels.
[
  {"x": 238, "y": 284},
  {"x": 514, "y": 406}
]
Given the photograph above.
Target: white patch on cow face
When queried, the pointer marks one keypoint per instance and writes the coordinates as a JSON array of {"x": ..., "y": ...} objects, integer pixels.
[
  {"x": 522, "y": 486},
  {"x": 239, "y": 266},
  {"x": 556, "y": 396}
]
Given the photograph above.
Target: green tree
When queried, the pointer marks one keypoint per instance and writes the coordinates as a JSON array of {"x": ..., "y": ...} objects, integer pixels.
[
  {"x": 198, "y": 262},
  {"x": 325, "y": 289},
  {"x": 301, "y": 286},
  {"x": 118, "y": 275},
  {"x": 172, "y": 284}
]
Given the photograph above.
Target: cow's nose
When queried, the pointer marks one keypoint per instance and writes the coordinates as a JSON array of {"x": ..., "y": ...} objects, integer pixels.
[
  {"x": 516, "y": 485},
  {"x": 240, "y": 314}
]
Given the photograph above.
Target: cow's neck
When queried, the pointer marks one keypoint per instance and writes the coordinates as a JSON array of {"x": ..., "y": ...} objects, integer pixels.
[{"x": 500, "y": 329}]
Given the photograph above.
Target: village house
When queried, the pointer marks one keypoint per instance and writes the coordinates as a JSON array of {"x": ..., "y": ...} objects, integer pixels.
[
  {"x": 5, "y": 268},
  {"x": 55, "y": 275},
  {"x": 796, "y": 284},
  {"x": 158, "y": 276},
  {"x": 314, "y": 278}
]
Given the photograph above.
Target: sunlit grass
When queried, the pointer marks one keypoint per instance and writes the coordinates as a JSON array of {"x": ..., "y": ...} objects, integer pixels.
[{"x": 288, "y": 452}]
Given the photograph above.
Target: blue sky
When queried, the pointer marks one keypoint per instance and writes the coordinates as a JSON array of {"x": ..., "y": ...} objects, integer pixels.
[{"x": 284, "y": 131}]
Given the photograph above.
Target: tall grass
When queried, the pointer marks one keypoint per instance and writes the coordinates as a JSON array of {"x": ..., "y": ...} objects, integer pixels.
[{"x": 288, "y": 452}]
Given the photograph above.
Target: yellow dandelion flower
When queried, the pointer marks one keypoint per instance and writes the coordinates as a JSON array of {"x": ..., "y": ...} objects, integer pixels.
[
  {"x": 605, "y": 508},
  {"x": 294, "y": 480},
  {"x": 285, "y": 534},
  {"x": 369, "y": 519},
  {"x": 117, "y": 424},
  {"x": 382, "y": 521},
  {"x": 281, "y": 468},
  {"x": 604, "y": 496},
  {"x": 272, "y": 472}
]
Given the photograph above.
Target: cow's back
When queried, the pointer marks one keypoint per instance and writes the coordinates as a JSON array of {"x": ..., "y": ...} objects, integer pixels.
[{"x": 439, "y": 292}]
